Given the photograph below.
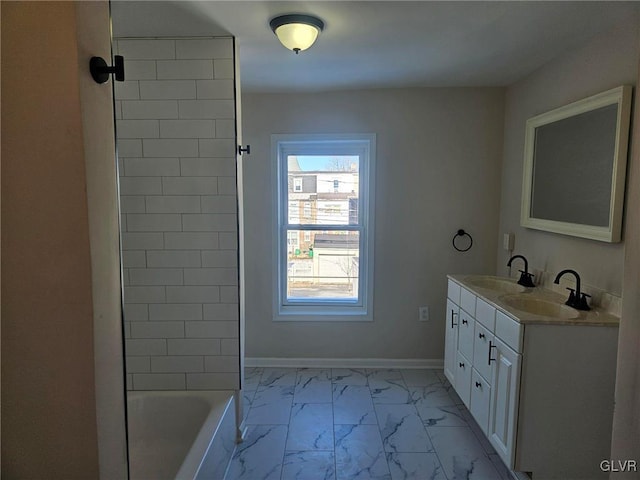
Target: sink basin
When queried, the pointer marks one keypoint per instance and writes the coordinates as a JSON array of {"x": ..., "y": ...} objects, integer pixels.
[
  {"x": 539, "y": 306},
  {"x": 495, "y": 283}
]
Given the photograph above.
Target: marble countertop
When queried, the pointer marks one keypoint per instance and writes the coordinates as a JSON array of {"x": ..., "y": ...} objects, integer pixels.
[{"x": 595, "y": 317}]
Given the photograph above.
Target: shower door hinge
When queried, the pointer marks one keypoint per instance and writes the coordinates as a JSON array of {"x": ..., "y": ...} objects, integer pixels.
[{"x": 100, "y": 71}]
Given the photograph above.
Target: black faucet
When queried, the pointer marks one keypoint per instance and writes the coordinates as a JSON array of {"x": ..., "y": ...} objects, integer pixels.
[
  {"x": 577, "y": 299},
  {"x": 526, "y": 279}
]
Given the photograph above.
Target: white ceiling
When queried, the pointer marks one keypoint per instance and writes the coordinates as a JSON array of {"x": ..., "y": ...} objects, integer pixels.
[{"x": 383, "y": 44}]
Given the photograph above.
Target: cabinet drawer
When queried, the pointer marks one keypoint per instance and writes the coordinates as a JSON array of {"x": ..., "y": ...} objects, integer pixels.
[
  {"x": 485, "y": 314},
  {"x": 481, "y": 339},
  {"x": 453, "y": 291},
  {"x": 463, "y": 378},
  {"x": 468, "y": 301},
  {"x": 480, "y": 398},
  {"x": 509, "y": 331},
  {"x": 465, "y": 334}
]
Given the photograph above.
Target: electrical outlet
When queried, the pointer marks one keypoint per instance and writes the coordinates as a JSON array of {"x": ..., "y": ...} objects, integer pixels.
[{"x": 423, "y": 314}]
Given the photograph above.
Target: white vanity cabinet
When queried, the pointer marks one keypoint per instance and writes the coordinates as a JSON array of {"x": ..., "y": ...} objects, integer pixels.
[
  {"x": 482, "y": 341},
  {"x": 463, "y": 379},
  {"x": 467, "y": 360},
  {"x": 451, "y": 341},
  {"x": 503, "y": 405},
  {"x": 485, "y": 373},
  {"x": 465, "y": 335},
  {"x": 505, "y": 358},
  {"x": 541, "y": 389},
  {"x": 451, "y": 332},
  {"x": 480, "y": 400}
]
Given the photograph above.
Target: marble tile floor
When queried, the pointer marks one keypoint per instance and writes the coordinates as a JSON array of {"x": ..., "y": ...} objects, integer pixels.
[{"x": 359, "y": 424}]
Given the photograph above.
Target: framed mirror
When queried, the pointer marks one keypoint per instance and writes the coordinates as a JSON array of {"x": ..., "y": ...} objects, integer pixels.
[{"x": 575, "y": 165}]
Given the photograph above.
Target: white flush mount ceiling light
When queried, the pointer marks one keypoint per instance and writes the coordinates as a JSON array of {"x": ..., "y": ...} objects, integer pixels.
[{"x": 297, "y": 32}]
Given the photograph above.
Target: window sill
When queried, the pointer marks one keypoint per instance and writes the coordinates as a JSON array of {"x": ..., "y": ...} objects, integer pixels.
[{"x": 334, "y": 316}]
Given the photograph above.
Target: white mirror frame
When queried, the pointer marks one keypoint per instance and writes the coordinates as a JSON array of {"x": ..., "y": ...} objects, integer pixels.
[{"x": 611, "y": 233}]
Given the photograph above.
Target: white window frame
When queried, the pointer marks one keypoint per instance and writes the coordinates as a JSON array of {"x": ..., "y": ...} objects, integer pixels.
[{"x": 363, "y": 145}]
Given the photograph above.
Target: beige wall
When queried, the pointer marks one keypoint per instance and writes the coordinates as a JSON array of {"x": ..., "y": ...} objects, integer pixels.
[
  {"x": 438, "y": 169},
  {"x": 94, "y": 38},
  {"x": 50, "y": 424},
  {"x": 605, "y": 62},
  {"x": 626, "y": 420}
]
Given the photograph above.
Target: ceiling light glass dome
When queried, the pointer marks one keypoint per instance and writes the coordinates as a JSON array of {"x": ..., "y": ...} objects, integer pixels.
[{"x": 297, "y": 32}]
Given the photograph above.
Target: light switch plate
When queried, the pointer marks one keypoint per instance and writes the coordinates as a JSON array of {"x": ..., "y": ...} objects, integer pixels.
[{"x": 508, "y": 241}]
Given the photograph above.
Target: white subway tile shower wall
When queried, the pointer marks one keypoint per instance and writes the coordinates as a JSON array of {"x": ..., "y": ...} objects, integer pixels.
[{"x": 176, "y": 146}]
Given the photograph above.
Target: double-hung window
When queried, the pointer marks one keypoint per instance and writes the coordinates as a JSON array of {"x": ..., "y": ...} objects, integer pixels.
[{"x": 324, "y": 231}]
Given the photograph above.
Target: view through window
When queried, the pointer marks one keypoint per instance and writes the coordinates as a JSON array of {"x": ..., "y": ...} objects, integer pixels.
[{"x": 323, "y": 204}]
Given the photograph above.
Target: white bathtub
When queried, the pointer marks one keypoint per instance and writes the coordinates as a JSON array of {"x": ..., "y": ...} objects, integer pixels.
[{"x": 180, "y": 435}]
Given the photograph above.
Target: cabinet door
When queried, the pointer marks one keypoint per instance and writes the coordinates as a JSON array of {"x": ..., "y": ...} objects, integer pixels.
[
  {"x": 465, "y": 334},
  {"x": 480, "y": 399},
  {"x": 481, "y": 340},
  {"x": 451, "y": 341},
  {"x": 505, "y": 389},
  {"x": 463, "y": 379}
]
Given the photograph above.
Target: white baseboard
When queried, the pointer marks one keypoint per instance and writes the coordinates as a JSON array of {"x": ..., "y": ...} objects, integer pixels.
[{"x": 435, "y": 363}]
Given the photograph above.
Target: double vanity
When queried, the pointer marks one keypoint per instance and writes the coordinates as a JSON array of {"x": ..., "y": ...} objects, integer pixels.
[{"x": 537, "y": 375}]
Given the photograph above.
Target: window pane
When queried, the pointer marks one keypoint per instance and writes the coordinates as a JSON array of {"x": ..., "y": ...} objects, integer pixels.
[
  {"x": 323, "y": 189},
  {"x": 324, "y": 267}
]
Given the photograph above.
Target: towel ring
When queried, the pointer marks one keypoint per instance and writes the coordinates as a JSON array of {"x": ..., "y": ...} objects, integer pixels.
[{"x": 462, "y": 233}]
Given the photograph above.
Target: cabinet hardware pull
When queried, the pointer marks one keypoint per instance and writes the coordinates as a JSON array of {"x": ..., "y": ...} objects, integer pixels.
[
  {"x": 452, "y": 315},
  {"x": 490, "y": 347},
  {"x": 461, "y": 365},
  {"x": 464, "y": 321},
  {"x": 481, "y": 335},
  {"x": 478, "y": 385}
]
